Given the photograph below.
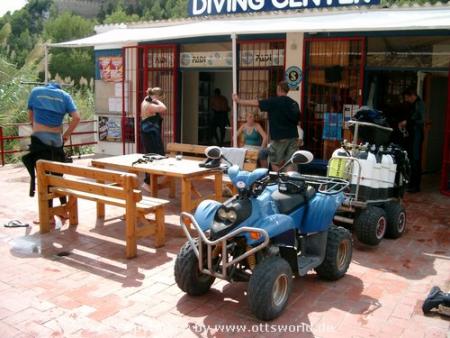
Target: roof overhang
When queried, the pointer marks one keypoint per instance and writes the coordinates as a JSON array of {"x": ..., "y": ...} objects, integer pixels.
[{"x": 366, "y": 20}]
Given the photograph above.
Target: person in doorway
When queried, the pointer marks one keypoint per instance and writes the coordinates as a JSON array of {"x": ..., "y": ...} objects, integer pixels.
[
  {"x": 47, "y": 107},
  {"x": 254, "y": 135},
  {"x": 220, "y": 108},
  {"x": 151, "y": 125},
  {"x": 414, "y": 125},
  {"x": 284, "y": 114}
]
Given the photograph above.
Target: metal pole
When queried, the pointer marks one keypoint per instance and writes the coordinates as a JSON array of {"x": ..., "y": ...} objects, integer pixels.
[
  {"x": 45, "y": 63},
  {"x": 234, "y": 52}
]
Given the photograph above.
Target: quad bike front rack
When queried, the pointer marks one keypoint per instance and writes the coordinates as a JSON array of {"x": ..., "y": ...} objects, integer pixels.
[{"x": 197, "y": 246}]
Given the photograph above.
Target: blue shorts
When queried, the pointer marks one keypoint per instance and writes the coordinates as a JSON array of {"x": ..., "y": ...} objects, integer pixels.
[{"x": 50, "y": 139}]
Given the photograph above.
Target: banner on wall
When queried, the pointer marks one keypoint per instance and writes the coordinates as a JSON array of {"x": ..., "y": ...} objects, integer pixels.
[
  {"x": 206, "y": 60},
  {"x": 111, "y": 68},
  {"x": 261, "y": 58}
]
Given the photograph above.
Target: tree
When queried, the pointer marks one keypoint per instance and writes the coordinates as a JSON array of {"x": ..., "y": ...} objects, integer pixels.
[
  {"x": 74, "y": 63},
  {"x": 120, "y": 16}
]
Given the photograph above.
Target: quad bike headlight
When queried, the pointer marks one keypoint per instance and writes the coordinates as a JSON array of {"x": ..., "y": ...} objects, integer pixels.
[
  {"x": 222, "y": 213},
  {"x": 227, "y": 215},
  {"x": 232, "y": 216}
]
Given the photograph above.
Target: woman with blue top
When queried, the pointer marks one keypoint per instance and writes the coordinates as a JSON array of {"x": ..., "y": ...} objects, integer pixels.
[{"x": 253, "y": 134}]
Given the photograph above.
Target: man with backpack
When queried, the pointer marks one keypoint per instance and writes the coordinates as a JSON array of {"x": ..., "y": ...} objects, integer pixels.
[{"x": 284, "y": 114}]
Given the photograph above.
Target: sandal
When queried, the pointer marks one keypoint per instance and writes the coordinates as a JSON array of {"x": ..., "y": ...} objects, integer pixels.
[{"x": 15, "y": 224}]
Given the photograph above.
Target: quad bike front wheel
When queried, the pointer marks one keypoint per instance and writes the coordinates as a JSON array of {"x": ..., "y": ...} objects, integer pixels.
[
  {"x": 269, "y": 288},
  {"x": 370, "y": 225},
  {"x": 396, "y": 219},
  {"x": 338, "y": 254},
  {"x": 187, "y": 274}
]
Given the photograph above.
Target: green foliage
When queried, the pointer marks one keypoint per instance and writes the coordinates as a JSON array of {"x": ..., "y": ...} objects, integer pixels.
[
  {"x": 119, "y": 16},
  {"x": 25, "y": 26},
  {"x": 67, "y": 26},
  {"x": 72, "y": 62}
]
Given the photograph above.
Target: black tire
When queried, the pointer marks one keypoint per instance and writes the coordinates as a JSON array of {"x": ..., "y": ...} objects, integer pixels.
[
  {"x": 338, "y": 254},
  {"x": 269, "y": 288},
  {"x": 396, "y": 219},
  {"x": 187, "y": 274},
  {"x": 370, "y": 225}
]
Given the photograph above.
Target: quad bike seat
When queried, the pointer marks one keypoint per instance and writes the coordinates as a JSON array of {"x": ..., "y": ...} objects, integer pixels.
[{"x": 288, "y": 202}]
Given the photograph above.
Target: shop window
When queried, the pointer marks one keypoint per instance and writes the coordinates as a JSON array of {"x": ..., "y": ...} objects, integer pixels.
[
  {"x": 332, "y": 92},
  {"x": 408, "y": 52},
  {"x": 261, "y": 67}
]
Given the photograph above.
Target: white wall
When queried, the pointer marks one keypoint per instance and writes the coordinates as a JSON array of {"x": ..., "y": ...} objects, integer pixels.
[
  {"x": 189, "y": 112},
  {"x": 294, "y": 57}
]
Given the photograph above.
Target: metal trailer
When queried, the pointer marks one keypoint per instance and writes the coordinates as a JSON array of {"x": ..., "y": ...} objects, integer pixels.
[{"x": 371, "y": 219}]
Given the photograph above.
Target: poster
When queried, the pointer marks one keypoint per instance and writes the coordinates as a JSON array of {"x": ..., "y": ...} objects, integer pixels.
[
  {"x": 111, "y": 68},
  {"x": 109, "y": 129}
]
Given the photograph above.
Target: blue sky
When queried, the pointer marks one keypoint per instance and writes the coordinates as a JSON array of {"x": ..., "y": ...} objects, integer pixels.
[{"x": 11, "y": 5}]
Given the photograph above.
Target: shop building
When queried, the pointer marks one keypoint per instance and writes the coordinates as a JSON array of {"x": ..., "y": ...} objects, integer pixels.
[{"x": 335, "y": 61}]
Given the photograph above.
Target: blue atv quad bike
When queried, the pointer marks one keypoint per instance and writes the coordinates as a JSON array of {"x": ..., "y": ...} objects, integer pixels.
[{"x": 279, "y": 225}]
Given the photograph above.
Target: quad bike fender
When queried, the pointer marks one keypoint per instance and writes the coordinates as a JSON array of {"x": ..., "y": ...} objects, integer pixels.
[
  {"x": 204, "y": 214},
  {"x": 279, "y": 227}
]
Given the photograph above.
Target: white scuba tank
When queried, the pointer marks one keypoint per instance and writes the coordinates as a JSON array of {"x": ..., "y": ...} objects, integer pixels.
[
  {"x": 383, "y": 179},
  {"x": 375, "y": 172},
  {"x": 389, "y": 161},
  {"x": 366, "y": 160}
]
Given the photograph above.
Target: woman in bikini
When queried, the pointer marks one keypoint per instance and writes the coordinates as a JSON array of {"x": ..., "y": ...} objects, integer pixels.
[{"x": 254, "y": 136}]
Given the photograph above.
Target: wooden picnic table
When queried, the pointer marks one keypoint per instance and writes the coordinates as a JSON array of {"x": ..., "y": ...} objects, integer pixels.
[{"x": 186, "y": 170}]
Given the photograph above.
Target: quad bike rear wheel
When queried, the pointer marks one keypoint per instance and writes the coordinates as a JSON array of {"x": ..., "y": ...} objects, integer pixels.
[
  {"x": 370, "y": 225},
  {"x": 187, "y": 274},
  {"x": 338, "y": 254},
  {"x": 396, "y": 219},
  {"x": 269, "y": 288}
]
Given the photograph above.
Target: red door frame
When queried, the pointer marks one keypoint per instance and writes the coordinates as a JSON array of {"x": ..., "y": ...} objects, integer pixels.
[
  {"x": 445, "y": 178},
  {"x": 142, "y": 70}
]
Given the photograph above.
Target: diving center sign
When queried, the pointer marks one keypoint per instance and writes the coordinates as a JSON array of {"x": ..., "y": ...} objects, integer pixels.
[{"x": 220, "y": 7}]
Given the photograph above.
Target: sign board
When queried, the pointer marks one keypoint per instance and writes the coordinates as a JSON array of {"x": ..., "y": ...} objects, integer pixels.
[
  {"x": 206, "y": 60},
  {"x": 261, "y": 58},
  {"x": 222, "y": 7},
  {"x": 293, "y": 77}
]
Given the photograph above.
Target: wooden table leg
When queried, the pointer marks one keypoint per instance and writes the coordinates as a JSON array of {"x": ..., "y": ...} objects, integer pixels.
[
  {"x": 154, "y": 185},
  {"x": 218, "y": 186},
  {"x": 186, "y": 195}
]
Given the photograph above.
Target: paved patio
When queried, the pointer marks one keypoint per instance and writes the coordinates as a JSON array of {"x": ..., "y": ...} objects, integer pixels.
[{"x": 95, "y": 292}]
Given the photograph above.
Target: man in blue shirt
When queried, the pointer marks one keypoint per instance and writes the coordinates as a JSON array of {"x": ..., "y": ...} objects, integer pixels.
[{"x": 47, "y": 106}]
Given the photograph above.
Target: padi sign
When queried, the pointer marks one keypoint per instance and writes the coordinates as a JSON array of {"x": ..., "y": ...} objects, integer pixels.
[{"x": 218, "y": 7}]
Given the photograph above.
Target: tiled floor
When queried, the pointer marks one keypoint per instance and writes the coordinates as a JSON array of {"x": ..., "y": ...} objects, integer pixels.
[{"x": 95, "y": 292}]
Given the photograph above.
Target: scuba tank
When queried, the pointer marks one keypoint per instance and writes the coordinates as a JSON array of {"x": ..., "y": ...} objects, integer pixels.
[
  {"x": 338, "y": 166},
  {"x": 388, "y": 160},
  {"x": 383, "y": 178},
  {"x": 374, "y": 175},
  {"x": 366, "y": 164}
]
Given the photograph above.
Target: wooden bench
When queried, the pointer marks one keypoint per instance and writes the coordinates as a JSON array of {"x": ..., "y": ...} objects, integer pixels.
[
  {"x": 197, "y": 152},
  {"x": 104, "y": 187}
]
